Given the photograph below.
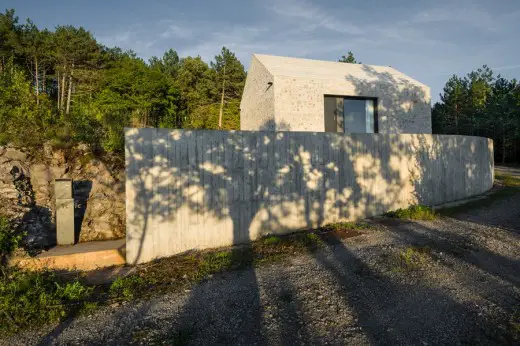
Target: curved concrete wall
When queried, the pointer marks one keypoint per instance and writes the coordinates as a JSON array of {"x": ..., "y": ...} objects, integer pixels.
[{"x": 201, "y": 189}]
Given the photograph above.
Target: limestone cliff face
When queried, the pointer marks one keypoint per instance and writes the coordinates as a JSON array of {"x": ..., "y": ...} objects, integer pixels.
[{"x": 27, "y": 193}]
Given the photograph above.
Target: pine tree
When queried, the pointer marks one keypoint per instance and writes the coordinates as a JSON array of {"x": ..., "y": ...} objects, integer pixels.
[
  {"x": 231, "y": 77},
  {"x": 350, "y": 59}
]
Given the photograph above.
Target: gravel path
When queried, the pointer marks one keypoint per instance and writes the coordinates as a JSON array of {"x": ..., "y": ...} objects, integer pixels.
[
  {"x": 504, "y": 213},
  {"x": 466, "y": 290}
]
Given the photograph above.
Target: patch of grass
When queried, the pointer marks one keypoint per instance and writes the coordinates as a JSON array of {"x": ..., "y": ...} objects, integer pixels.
[
  {"x": 306, "y": 240},
  {"x": 286, "y": 243},
  {"x": 10, "y": 238},
  {"x": 414, "y": 212},
  {"x": 126, "y": 288},
  {"x": 215, "y": 262},
  {"x": 353, "y": 225},
  {"x": 89, "y": 307},
  {"x": 30, "y": 299},
  {"x": 411, "y": 258},
  {"x": 271, "y": 240},
  {"x": 507, "y": 180}
]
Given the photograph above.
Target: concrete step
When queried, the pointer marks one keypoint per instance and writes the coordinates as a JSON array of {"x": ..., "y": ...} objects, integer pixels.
[{"x": 79, "y": 257}]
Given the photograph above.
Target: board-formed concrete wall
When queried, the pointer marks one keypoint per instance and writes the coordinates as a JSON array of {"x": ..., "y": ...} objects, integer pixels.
[{"x": 201, "y": 189}]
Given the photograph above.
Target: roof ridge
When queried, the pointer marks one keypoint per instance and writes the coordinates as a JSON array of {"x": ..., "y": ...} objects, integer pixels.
[
  {"x": 319, "y": 60},
  {"x": 324, "y": 69}
]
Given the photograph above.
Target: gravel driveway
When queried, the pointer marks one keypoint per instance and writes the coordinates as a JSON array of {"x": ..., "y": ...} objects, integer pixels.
[{"x": 464, "y": 290}]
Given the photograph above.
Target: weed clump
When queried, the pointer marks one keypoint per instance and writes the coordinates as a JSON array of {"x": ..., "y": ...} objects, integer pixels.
[
  {"x": 414, "y": 212},
  {"x": 348, "y": 225},
  {"x": 216, "y": 262},
  {"x": 411, "y": 258},
  {"x": 271, "y": 240},
  {"x": 126, "y": 288},
  {"x": 10, "y": 238}
]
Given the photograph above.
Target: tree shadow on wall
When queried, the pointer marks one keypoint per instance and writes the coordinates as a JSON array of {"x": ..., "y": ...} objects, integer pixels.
[
  {"x": 398, "y": 97},
  {"x": 183, "y": 184},
  {"x": 254, "y": 183}
]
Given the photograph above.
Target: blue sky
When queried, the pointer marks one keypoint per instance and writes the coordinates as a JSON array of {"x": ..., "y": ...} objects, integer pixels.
[{"x": 428, "y": 40}]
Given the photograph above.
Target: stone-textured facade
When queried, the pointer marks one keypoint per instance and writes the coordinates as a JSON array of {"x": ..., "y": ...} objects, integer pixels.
[
  {"x": 257, "y": 104},
  {"x": 295, "y": 99},
  {"x": 27, "y": 194}
]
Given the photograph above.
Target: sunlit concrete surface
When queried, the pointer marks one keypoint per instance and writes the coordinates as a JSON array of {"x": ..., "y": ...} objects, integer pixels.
[
  {"x": 202, "y": 189},
  {"x": 84, "y": 256},
  {"x": 287, "y": 94}
]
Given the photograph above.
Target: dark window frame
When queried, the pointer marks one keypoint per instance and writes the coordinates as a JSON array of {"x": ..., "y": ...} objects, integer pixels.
[{"x": 375, "y": 99}]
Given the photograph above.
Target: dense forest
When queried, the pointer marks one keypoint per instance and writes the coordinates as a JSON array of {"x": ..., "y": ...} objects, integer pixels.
[
  {"x": 482, "y": 104},
  {"x": 63, "y": 87}
]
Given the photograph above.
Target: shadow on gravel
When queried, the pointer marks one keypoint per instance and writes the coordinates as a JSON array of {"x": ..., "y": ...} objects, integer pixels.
[
  {"x": 228, "y": 310},
  {"x": 292, "y": 328},
  {"x": 461, "y": 247},
  {"x": 55, "y": 332},
  {"x": 391, "y": 312},
  {"x": 120, "y": 333},
  {"x": 499, "y": 209},
  {"x": 228, "y": 314}
]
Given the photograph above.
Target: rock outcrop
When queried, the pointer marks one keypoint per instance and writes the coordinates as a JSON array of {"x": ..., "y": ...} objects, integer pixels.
[{"x": 27, "y": 193}]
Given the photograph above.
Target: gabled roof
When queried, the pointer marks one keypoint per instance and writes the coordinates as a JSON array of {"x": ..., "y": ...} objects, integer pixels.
[{"x": 319, "y": 69}]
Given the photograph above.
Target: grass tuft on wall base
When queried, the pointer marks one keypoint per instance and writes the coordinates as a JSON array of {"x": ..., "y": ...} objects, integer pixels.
[{"x": 413, "y": 212}]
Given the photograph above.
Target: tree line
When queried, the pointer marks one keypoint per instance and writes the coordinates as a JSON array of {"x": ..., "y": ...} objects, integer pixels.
[
  {"x": 64, "y": 87},
  {"x": 482, "y": 104}
]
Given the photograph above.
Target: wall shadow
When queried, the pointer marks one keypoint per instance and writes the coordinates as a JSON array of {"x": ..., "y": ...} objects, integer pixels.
[
  {"x": 81, "y": 190},
  {"x": 458, "y": 245},
  {"x": 37, "y": 221},
  {"x": 389, "y": 312},
  {"x": 399, "y": 99}
]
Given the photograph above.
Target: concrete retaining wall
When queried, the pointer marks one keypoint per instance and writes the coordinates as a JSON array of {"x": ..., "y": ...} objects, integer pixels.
[{"x": 201, "y": 189}]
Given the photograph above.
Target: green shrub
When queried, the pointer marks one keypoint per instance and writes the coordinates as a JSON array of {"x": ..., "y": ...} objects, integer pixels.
[
  {"x": 414, "y": 212},
  {"x": 9, "y": 238},
  {"x": 126, "y": 287},
  {"x": 34, "y": 298}
]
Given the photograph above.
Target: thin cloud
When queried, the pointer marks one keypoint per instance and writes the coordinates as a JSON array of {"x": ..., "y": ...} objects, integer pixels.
[
  {"x": 506, "y": 67},
  {"x": 415, "y": 40},
  {"x": 177, "y": 31},
  {"x": 311, "y": 17}
]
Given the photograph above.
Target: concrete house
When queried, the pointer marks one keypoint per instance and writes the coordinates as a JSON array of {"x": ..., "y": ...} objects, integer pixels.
[{"x": 290, "y": 94}]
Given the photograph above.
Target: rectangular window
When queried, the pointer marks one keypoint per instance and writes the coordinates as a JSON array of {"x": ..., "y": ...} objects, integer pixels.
[{"x": 350, "y": 114}]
